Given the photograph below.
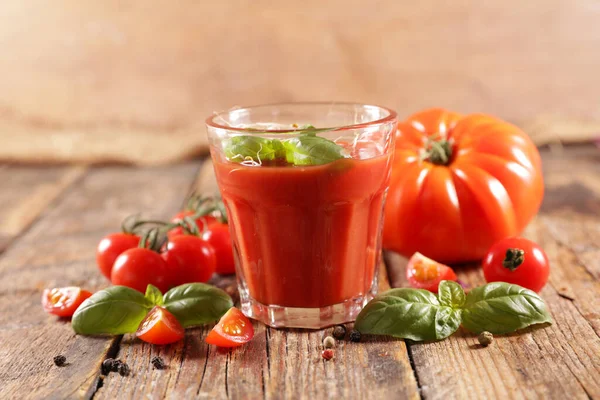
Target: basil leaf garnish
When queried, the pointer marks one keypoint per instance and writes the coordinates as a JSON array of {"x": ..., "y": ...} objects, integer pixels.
[
  {"x": 116, "y": 310},
  {"x": 451, "y": 294},
  {"x": 257, "y": 149},
  {"x": 312, "y": 150},
  {"x": 197, "y": 303},
  {"x": 409, "y": 314},
  {"x": 154, "y": 295},
  {"x": 500, "y": 307}
]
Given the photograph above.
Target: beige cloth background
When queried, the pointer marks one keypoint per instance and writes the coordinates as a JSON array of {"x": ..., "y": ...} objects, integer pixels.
[{"x": 133, "y": 81}]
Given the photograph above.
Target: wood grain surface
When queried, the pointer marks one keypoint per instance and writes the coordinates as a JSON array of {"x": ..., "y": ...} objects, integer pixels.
[
  {"x": 557, "y": 362},
  {"x": 104, "y": 81}
]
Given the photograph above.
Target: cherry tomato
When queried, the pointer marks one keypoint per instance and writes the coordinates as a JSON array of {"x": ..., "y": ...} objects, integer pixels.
[
  {"x": 233, "y": 330},
  {"x": 139, "y": 267},
  {"x": 111, "y": 247},
  {"x": 517, "y": 260},
  {"x": 218, "y": 236},
  {"x": 189, "y": 259},
  {"x": 63, "y": 301},
  {"x": 202, "y": 222},
  {"x": 424, "y": 273},
  {"x": 160, "y": 327}
]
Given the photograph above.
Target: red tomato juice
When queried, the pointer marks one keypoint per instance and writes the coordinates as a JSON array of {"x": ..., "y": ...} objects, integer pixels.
[{"x": 306, "y": 236}]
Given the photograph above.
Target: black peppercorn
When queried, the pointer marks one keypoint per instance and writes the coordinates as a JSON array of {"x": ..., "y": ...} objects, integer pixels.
[
  {"x": 60, "y": 360},
  {"x": 107, "y": 366},
  {"x": 355, "y": 336},
  {"x": 124, "y": 369},
  {"x": 158, "y": 362},
  {"x": 339, "y": 332},
  {"x": 115, "y": 365}
]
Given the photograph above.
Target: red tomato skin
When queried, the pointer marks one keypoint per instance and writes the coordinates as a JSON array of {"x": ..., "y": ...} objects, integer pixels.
[
  {"x": 218, "y": 236},
  {"x": 111, "y": 247},
  {"x": 63, "y": 302},
  {"x": 439, "y": 272},
  {"x": 233, "y": 321},
  {"x": 139, "y": 267},
  {"x": 160, "y": 327},
  {"x": 491, "y": 188},
  {"x": 532, "y": 274},
  {"x": 202, "y": 222},
  {"x": 189, "y": 259}
]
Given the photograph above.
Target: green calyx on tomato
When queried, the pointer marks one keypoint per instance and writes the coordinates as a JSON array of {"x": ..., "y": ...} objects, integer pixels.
[
  {"x": 418, "y": 314},
  {"x": 514, "y": 258},
  {"x": 305, "y": 149},
  {"x": 119, "y": 309},
  {"x": 437, "y": 151}
]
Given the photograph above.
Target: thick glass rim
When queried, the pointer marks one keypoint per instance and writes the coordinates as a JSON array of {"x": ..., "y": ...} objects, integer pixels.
[{"x": 210, "y": 121}]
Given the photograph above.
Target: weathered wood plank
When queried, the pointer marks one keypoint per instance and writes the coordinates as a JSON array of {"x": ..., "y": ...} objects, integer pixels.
[
  {"x": 58, "y": 250},
  {"x": 560, "y": 361},
  {"x": 25, "y": 194}
]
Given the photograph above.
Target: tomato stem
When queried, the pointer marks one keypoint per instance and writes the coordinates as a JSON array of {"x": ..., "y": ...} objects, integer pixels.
[
  {"x": 513, "y": 258},
  {"x": 153, "y": 240},
  {"x": 437, "y": 151}
]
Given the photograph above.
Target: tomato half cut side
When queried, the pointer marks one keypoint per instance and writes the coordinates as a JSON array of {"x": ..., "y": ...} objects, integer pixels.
[
  {"x": 233, "y": 330},
  {"x": 425, "y": 273},
  {"x": 63, "y": 301},
  {"x": 160, "y": 327}
]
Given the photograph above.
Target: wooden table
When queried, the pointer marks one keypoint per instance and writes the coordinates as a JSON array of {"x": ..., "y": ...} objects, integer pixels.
[{"x": 51, "y": 219}]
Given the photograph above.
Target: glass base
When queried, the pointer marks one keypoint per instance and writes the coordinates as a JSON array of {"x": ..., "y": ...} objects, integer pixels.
[{"x": 308, "y": 318}]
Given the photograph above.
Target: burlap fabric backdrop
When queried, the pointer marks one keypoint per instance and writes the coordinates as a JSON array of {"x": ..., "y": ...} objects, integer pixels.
[{"x": 133, "y": 81}]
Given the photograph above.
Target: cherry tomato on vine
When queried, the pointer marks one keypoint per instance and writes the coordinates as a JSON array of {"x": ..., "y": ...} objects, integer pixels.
[
  {"x": 111, "y": 247},
  {"x": 424, "y": 273},
  {"x": 189, "y": 259},
  {"x": 202, "y": 222},
  {"x": 233, "y": 330},
  {"x": 139, "y": 267},
  {"x": 218, "y": 236},
  {"x": 160, "y": 327},
  {"x": 63, "y": 301},
  {"x": 517, "y": 260}
]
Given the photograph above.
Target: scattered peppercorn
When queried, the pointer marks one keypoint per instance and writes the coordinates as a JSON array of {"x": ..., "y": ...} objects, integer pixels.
[
  {"x": 485, "y": 338},
  {"x": 60, "y": 360},
  {"x": 355, "y": 336},
  {"x": 329, "y": 342},
  {"x": 158, "y": 362},
  {"x": 115, "y": 365},
  {"x": 124, "y": 369},
  {"x": 107, "y": 366},
  {"x": 339, "y": 332},
  {"x": 327, "y": 354}
]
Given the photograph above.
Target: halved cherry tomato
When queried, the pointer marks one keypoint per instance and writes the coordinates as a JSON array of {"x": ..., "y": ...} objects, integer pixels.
[
  {"x": 189, "y": 259},
  {"x": 202, "y": 222},
  {"x": 111, "y": 247},
  {"x": 517, "y": 260},
  {"x": 218, "y": 236},
  {"x": 63, "y": 301},
  {"x": 160, "y": 327},
  {"x": 233, "y": 330},
  {"x": 139, "y": 267},
  {"x": 424, "y": 273}
]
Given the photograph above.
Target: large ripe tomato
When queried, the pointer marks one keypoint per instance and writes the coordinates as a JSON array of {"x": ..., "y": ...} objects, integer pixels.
[
  {"x": 218, "y": 236},
  {"x": 111, "y": 247},
  {"x": 160, "y": 327},
  {"x": 459, "y": 184},
  {"x": 425, "y": 273},
  {"x": 189, "y": 259},
  {"x": 233, "y": 330},
  {"x": 63, "y": 301},
  {"x": 137, "y": 268},
  {"x": 519, "y": 261}
]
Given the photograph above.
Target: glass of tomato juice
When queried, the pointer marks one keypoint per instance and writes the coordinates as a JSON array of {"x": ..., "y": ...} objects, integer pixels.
[{"x": 304, "y": 186}]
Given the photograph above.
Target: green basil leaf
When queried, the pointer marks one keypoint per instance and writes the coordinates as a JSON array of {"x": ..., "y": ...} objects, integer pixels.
[
  {"x": 197, "y": 303},
  {"x": 409, "y": 314},
  {"x": 257, "y": 149},
  {"x": 451, "y": 294},
  {"x": 500, "y": 307},
  {"x": 154, "y": 295},
  {"x": 312, "y": 150},
  {"x": 116, "y": 310}
]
